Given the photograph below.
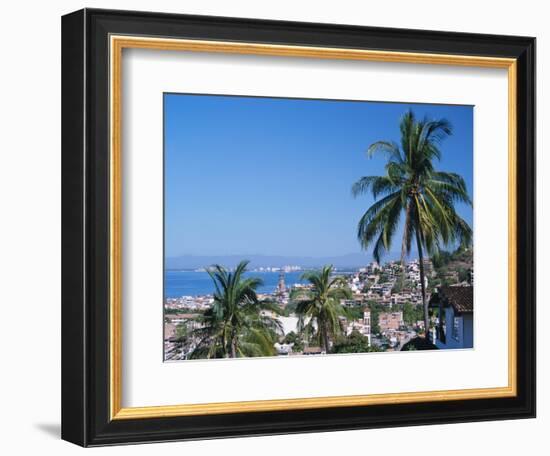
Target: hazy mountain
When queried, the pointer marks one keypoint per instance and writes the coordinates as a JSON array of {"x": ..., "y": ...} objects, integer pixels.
[{"x": 256, "y": 261}]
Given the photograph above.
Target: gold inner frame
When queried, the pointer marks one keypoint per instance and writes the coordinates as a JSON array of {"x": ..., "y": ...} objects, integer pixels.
[{"x": 117, "y": 44}]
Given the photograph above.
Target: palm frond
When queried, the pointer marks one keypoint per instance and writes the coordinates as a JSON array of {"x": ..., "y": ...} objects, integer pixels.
[{"x": 391, "y": 149}]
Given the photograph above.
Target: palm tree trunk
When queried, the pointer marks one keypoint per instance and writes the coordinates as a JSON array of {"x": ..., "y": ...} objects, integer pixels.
[
  {"x": 423, "y": 286},
  {"x": 233, "y": 344},
  {"x": 325, "y": 338},
  {"x": 224, "y": 344},
  {"x": 404, "y": 244}
]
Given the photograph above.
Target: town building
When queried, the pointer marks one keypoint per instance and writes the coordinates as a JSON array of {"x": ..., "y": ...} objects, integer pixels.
[
  {"x": 283, "y": 349},
  {"x": 428, "y": 267},
  {"x": 363, "y": 325},
  {"x": 390, "y": 321},
  {"x": 456, "y": 310}
]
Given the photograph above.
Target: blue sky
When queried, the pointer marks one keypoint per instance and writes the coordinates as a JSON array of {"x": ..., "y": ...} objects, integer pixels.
[{"x": 247, "y": 175}]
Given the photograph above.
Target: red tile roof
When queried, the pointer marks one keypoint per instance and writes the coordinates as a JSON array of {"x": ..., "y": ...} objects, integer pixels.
[{"x": 461, "y": 298}]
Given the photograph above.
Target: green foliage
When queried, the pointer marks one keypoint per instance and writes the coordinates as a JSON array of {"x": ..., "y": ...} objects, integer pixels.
[
  {"x": 411, "y": 186},
  {"x": 463, "y": 253},
  {"x": 187, "y": 310},
  {"x": 397, "y": 288},
  {"x": 293, "y": 338},
  {"x": 291, "y": 306},
  {"x": 354, "y": 343},
  {"x": 354, "y": 313},
  {"x": 411, "y": 313},
  {"x": 463, "y": 275},
  {"x": 295, "y": 294},
  {"x": 235, "y": 325},
  {"x": 375, "y": 310},
  {"x": 375, "y": 321},
  {"x": 320, "y": 305},
  {"x": 459, "y": 261},
  {"x": 441, "y": 258},
  {"x": 383, "y": 278},
  {"x": 182, "y": 332},
  {"x": 414, "y": 187}
]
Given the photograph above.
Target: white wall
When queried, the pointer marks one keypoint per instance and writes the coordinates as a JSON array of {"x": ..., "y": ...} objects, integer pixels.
[{"x": 30, "y": 222}]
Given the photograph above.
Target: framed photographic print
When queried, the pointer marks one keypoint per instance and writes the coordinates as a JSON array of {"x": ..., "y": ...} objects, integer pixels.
[{"x": 277, "y": 227}]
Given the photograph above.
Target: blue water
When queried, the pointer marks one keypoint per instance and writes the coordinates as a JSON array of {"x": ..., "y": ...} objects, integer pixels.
[{"x": 190, "y": 283}]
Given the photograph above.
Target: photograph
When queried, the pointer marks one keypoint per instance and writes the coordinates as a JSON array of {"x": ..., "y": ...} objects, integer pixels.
[
  {"x": 312, "y": 227},
  {"x": 278, "y": 227}
]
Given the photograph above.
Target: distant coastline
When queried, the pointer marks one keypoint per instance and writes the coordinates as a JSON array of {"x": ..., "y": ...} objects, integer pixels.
[
  {"x": 194, "y": 283},
  {"x": 351, "y": 261}
]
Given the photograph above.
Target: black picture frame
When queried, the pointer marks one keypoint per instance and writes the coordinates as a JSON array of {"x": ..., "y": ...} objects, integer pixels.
[{"x": 85, "y": 225}]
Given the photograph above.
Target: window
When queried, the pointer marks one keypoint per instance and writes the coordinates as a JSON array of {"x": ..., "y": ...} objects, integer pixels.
[{"x": 456, "y": 326}]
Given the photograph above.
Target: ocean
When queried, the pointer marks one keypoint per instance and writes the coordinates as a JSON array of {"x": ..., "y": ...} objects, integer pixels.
[{"x": 191, "y": 283}]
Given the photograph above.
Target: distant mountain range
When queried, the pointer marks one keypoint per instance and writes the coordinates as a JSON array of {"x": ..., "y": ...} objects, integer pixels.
[{"x": 257, "y": 261}]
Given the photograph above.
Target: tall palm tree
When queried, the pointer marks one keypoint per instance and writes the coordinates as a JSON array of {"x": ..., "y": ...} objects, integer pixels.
[
  {"x": 413, "y": 187},
  {"x": 320, "y": 305},
  {"x": 237, "y": 324}
]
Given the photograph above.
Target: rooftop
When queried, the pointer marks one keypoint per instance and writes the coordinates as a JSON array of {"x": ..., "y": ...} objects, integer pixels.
[
  {"x": 461, "y": 298},
  {"x": 182, "y": 316},
  {"x": 312, "y": 351}
]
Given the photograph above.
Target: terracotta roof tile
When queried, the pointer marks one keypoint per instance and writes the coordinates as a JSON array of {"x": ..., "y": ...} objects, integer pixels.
[{"x": 461, "y": 298}]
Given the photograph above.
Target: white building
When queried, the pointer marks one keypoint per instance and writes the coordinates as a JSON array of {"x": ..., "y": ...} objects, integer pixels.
[
  {"x": 366, "y": 323},
  {"x": 362, "y": 325},
  {"x": 283, "y": 349},
  {"x": 289, "y": 324}
]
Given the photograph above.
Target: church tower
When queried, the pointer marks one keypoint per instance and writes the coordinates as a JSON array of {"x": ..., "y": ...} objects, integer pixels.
[{"x": 281, "y": 287}]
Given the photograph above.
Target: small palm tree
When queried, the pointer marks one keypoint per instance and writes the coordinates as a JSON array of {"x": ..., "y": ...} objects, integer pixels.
[
  {"x": 320, "y": 305},
  {"x": 414, "y": 188},
  {"x": 237, "y": 324}
]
